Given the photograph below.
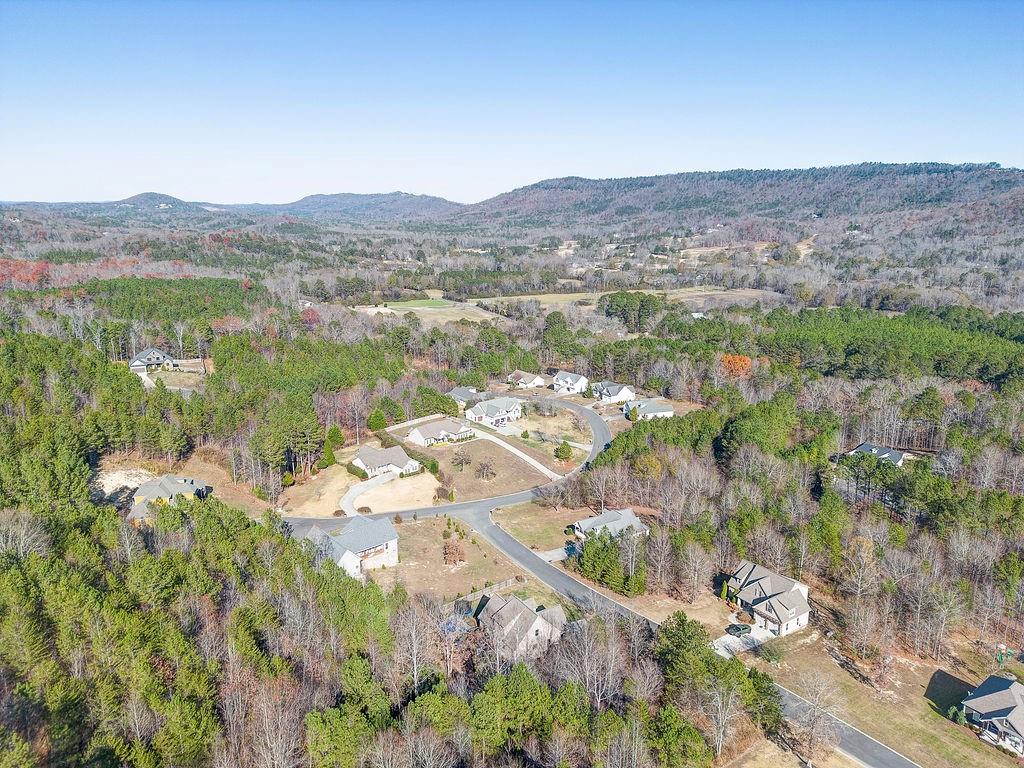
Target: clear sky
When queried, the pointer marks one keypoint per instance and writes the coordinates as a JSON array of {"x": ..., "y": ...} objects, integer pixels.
[{"x": 259, "y": 101}]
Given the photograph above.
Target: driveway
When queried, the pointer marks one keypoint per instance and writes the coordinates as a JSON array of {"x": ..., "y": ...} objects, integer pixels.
[
  {"x": 728, "y": 646},
  {"x": 348, "y": 501}
]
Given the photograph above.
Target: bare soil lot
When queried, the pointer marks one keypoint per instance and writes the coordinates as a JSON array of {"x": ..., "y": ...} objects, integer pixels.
[
  {"x": 908, "y": 712},
  {"x": 421, "y": 566},
  {"x": 539, "y": 528},
  {"x": 410, "y": 492},
  {"x": 559, "y": 426}
]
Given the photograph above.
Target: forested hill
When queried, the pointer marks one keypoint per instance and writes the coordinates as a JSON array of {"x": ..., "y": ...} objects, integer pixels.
[
  {"x": 393, "y": 206},
  {"x": 967, "y": 195},
  {"x": 688, "y": 199}
]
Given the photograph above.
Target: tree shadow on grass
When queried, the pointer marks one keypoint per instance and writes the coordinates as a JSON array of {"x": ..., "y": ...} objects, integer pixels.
[{"x": 944, "y": 690}]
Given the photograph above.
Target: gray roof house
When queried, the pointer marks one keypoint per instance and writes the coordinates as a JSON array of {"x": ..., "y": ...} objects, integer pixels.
[
  {"x": 997, "y": 707},
  {"x": 495, "y": 412},
  {"x": 523, "y": 380},
  {"x": 615, "y": 521},
  {"x": 440, "y": 431},
  {"x": 610, "y": 392},
  {"x": 166, "y": 490},
  {"x": 363, "y": 544},
  {"x": 883, "y": 453},
  {"x": 521, "y": 628},
  {"x": 150, "y": 358},
  {"x": 463, "y": 395},
  {"x": 566, "y": 382},
  {"x": 647, "y": 409},
  {"x": 379, "y": 461},
  {"x": 777, "y": 603}
]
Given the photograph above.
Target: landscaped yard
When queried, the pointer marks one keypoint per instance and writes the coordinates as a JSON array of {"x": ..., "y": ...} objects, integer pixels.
[
  {"x": 539, "y": 528},
  {"x": 421, "y": 566},
  {"x": 909, "y": 714}
]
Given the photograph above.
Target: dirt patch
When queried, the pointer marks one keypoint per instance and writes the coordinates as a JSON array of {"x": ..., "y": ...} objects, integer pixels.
[
  {"x": 174, "y": 380},
  {"x": 767, "y": 754},
  {"x": 683, "y": 407},
  {"x": 421, "y": 566},
  {"x": 404, "y": 493},
  {"x": 539, "y": 528},
  {"x": 319, "y": 495}
]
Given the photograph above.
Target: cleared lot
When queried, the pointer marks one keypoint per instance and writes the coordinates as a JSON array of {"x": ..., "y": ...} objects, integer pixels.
[
  {"x": 318, "y": 496},
  {"x": 511, "y": 473},
  {"x": 404, "y": 493},
  {"x": 421, "y": 566},
  {"x": 538, "y": 527}
]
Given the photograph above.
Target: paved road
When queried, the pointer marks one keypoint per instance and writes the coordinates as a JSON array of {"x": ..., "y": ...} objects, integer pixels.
[{"x": 477, "y": 514}]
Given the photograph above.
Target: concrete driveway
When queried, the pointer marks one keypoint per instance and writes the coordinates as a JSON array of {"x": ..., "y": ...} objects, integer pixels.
[
  {"x": 348, "y": 501},
  {"x": 728, "y": 646}
]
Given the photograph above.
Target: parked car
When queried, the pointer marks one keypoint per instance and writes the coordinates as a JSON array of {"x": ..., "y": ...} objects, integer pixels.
[{"x": 738, "y": 630}]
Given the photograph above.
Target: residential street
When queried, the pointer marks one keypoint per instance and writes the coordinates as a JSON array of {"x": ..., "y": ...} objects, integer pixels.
[{"x": 477, "y": 514}]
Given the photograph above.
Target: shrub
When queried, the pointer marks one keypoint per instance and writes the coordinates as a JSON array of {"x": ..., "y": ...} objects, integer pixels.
[
  {"x": 287, "y": 479},
  {"x": 354, "y": 470},
  {"x": 526, "y": 434}
]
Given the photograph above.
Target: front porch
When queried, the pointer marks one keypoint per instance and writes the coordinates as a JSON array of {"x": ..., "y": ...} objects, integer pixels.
[{"x": 991, "y": 734}]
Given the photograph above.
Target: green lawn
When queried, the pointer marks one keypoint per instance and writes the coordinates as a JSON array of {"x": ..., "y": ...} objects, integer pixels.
[{"x": 419, "y": 304}]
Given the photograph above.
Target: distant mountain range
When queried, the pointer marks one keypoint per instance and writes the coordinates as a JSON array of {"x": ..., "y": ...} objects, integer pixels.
[{"x": 681, "y": 199}]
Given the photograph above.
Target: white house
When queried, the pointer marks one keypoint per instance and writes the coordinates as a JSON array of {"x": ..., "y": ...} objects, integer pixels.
[
  {"x": 377, "y": 461},
  {"x": 520, "y": 628},
  {"x": 997, "y": 707},
  {"x": 365, "y": 544},
  {"x": 440, "y": 431},
  {"x": 463, "y": 395},
  {"x": 615, "y": 521},
  {"x": 151, "y": 359},
  {"x": 777, "y": 603},
  {"x": 610, "y": 392},
  {"x": 523, "y": 380},
  {"x": 881, "y": 452},
  {"x": 647, "y": 409},
  {"x": 495, "y": 412},
  {"x": 567, "y": 383}
]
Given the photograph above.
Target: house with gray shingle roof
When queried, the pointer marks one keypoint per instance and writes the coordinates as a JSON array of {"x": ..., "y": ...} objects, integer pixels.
[
  {"x": 150, "y": 359},
  {"x": 463, "y": 395},
  {"x": 610, "y": 392},
  {"x": 164, "y": 490},
  {"x": 523, "y": 380},
  {"x": 615, "y": 521},
  {"x": 440, "y": 431},
  {"x": 364, "y": 544},
  {"x": 380, "y": 461},
  {"x": 777, "y": 603},
  {"x": 496, "y": 411},
  {"x": 881, "y": 452},
  {"x": 647, "y": 409},
  {"x": 568, "y": 383},
  {"x": 997, "y": 707},
  {"x": 521, "y": 629}
]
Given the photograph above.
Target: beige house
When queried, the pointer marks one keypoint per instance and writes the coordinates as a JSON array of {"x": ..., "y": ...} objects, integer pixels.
[
  {"x": 523, "y": 380},
  {"x": 521, "y": 628}
]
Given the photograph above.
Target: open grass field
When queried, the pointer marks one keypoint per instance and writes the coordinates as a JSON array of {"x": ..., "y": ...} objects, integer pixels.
[
  {"x": 433, "y": 311},
  {"x": 538, "y": 527},
  {"x": 541, "y": 450},
  {"x": 909, "y": 713},
  {"x": 421, "y": 566},
  {"x": 179, "y": 379},
  {"x": 767, "y": 754},
  {"x": 700, "y": 298}
]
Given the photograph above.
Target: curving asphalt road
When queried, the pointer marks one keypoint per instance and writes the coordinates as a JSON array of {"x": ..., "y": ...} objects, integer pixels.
[{"x": 477, "y": 514}]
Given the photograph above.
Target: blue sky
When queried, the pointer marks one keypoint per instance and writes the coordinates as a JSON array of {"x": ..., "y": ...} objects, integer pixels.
[{"x": 259, "y": 101}]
